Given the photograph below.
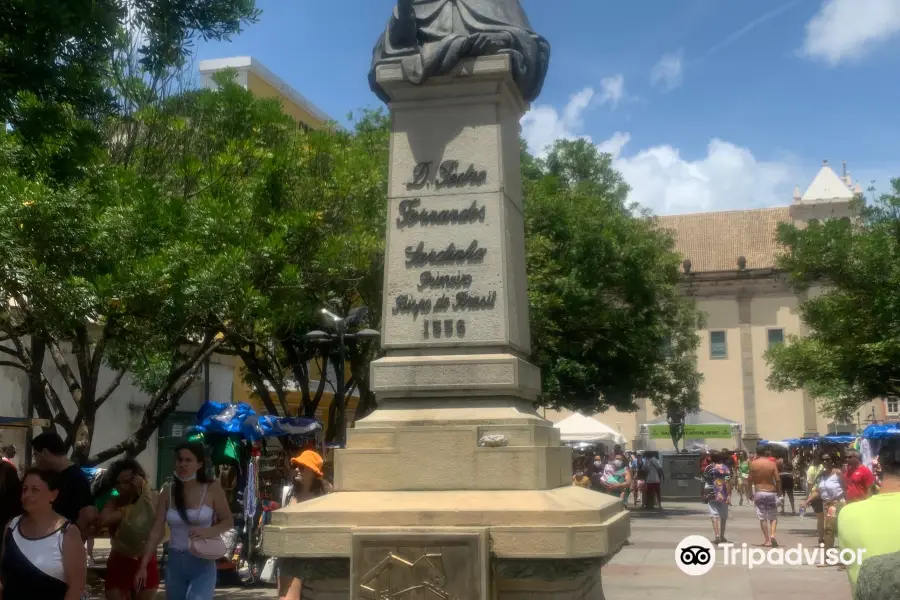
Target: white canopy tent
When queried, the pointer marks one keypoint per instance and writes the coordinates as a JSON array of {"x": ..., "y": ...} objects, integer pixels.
[{"x": 579, "y": 428}]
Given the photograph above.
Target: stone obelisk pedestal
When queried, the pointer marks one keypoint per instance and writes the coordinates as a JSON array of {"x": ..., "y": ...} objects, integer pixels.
[{"x": 454, "y": 488}]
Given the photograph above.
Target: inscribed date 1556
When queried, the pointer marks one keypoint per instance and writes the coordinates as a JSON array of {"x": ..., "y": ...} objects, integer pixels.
[{"x": 444, "y": 329}]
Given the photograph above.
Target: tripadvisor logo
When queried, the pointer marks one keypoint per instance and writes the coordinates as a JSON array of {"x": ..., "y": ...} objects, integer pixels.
[
  {"x": 695, "y": 555},
  {"x": 792, "y": 557}
]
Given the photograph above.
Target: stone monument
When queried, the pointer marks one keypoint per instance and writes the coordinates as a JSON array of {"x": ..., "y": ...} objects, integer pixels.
[{"x": 453, "y": 488}]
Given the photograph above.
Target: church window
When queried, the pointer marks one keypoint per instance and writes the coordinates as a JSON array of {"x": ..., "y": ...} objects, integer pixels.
[
  {"x": 776, "y": 337},
  {"x": 718, "y": 345},
  {"x": 893, "y": 406}
]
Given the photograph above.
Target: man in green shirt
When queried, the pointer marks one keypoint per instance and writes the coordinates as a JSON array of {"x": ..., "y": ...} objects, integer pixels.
[
  {"x": 873, "y": 525},
  {"x": 743, "y": 482}
]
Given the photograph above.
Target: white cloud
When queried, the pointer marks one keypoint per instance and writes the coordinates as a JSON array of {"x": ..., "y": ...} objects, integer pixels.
[
  {"x": 727, "y": 177},
  {"x": 543, "y": 125},
  {"x": 614, "y": 144},
  {"x": 668, "y": 72},
  {"x": 848, "y": 29},
  {"x": 612, "y": 90}
]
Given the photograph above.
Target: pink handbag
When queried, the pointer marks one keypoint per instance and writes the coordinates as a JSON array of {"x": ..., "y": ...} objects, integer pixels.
[{"x": 210, "y": 548}]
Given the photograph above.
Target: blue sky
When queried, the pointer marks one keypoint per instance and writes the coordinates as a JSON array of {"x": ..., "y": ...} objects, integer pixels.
[{"x": 706, "y": 104}]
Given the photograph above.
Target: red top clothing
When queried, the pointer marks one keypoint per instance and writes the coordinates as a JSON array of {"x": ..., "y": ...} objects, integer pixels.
[{"x": 859, "y": 482}]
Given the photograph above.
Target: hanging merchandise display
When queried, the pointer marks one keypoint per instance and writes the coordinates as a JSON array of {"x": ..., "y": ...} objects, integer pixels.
[{"x": 246, "y": 453}]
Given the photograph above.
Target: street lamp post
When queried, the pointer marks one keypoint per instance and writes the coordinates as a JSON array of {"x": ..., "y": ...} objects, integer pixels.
[{"x": 339, "y": 325}]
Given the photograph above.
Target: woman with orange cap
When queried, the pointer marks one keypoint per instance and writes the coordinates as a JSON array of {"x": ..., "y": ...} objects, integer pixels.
[{"x": 309, "y": 482}]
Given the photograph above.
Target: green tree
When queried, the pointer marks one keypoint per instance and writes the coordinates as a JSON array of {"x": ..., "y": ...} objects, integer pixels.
[
  {"x": 86, "y": 272},
  {"x": 850, "y": 272},
  {"x": 95, "y": 261},
  {"x": 608, "y": 323},
  {"x": 59, "y": 60}
]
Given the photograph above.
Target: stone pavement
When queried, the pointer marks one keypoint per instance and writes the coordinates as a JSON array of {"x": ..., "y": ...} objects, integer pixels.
[{"x": 647, "y": 566}]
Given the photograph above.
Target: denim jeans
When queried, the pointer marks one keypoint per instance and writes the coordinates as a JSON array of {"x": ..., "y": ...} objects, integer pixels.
[{"x": 189, "y": 577}]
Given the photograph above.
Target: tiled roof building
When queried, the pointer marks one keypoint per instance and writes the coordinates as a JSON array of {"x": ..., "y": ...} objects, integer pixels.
[
  {"x": 714, "y": 241},
  {"x": 730, "y": 269}
]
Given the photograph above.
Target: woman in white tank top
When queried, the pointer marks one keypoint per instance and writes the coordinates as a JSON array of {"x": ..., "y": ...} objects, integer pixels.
[
  {"x": 194, "y": 508},
  {"x": 43, "y": 554},
  {"x": 830, "y": 489}
]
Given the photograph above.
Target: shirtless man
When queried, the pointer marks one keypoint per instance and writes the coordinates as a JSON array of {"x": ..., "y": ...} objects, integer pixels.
[{"x": 765, "y": 491}]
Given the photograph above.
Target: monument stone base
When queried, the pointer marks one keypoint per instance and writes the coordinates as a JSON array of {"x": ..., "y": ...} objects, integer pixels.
[
  {"x": 519, "y": 544},
  {"x": 326, "y": 579}
]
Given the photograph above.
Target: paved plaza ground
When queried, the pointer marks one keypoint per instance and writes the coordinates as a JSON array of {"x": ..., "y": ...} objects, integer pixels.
[{"x": 646, "y": 568}]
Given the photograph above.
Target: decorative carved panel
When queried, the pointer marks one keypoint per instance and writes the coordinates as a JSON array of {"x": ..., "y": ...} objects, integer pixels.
[{"x": 419, "y": 565}]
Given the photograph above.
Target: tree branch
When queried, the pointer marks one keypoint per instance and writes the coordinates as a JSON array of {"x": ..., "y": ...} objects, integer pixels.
[
  {"x": 82, "y": 351},
  {"x": 258, "y": 375},
  {"x": 9, "y": 351},
  {"x": 55, "y": 402},
  {"x": 4, "y": 363},
  {"x": 97, "y": 356},
  {"x": 37, "y": 393},
  {"x": 65, "y": 370},
  {"x": 19, "y": 352},
  {"x": 161, "y": 405},
  {"x": 110, "y": 389}
]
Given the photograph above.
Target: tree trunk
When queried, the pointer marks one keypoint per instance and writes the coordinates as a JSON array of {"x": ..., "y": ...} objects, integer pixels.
[
  {"x": 359, "y": 366},
  {"x": 258, "y": 377},
  {"x": 161, "y": 405},
  {"x": 36, "y": 400},
  {"x": 84, "y": 434}
]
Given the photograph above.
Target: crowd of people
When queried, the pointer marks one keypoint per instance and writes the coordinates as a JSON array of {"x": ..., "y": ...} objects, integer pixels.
[
  {"x": 856, "y": 506},
  {"x": 633, "y": 475},
  {"x": 50, "y": 516}
]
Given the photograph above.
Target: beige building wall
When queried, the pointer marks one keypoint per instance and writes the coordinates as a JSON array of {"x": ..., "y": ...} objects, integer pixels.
[
  {"x": 254, "y": 76},
  {"x": 720, "y": 392},
  {"x": 779, "y": 415},
  {"x": 263, "y": 89}
]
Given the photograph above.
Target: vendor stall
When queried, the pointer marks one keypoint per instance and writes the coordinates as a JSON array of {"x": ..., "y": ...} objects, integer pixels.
[
  {"x": 579, "y": 429},
  {"x": 248, "y": 454},
  {"x": 873, "y": 437},
  {"x": 701, "y": 429}
]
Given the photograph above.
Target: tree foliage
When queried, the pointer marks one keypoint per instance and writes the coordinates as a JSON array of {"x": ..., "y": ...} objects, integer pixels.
[
  {"x": 608, "y": 323},
  {"x": 98, "y": 262},
  {"x": 851, "y": 273}
]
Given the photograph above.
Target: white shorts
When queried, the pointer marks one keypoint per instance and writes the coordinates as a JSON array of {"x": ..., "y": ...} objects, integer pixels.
[{"x": 718, "y": 509}]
